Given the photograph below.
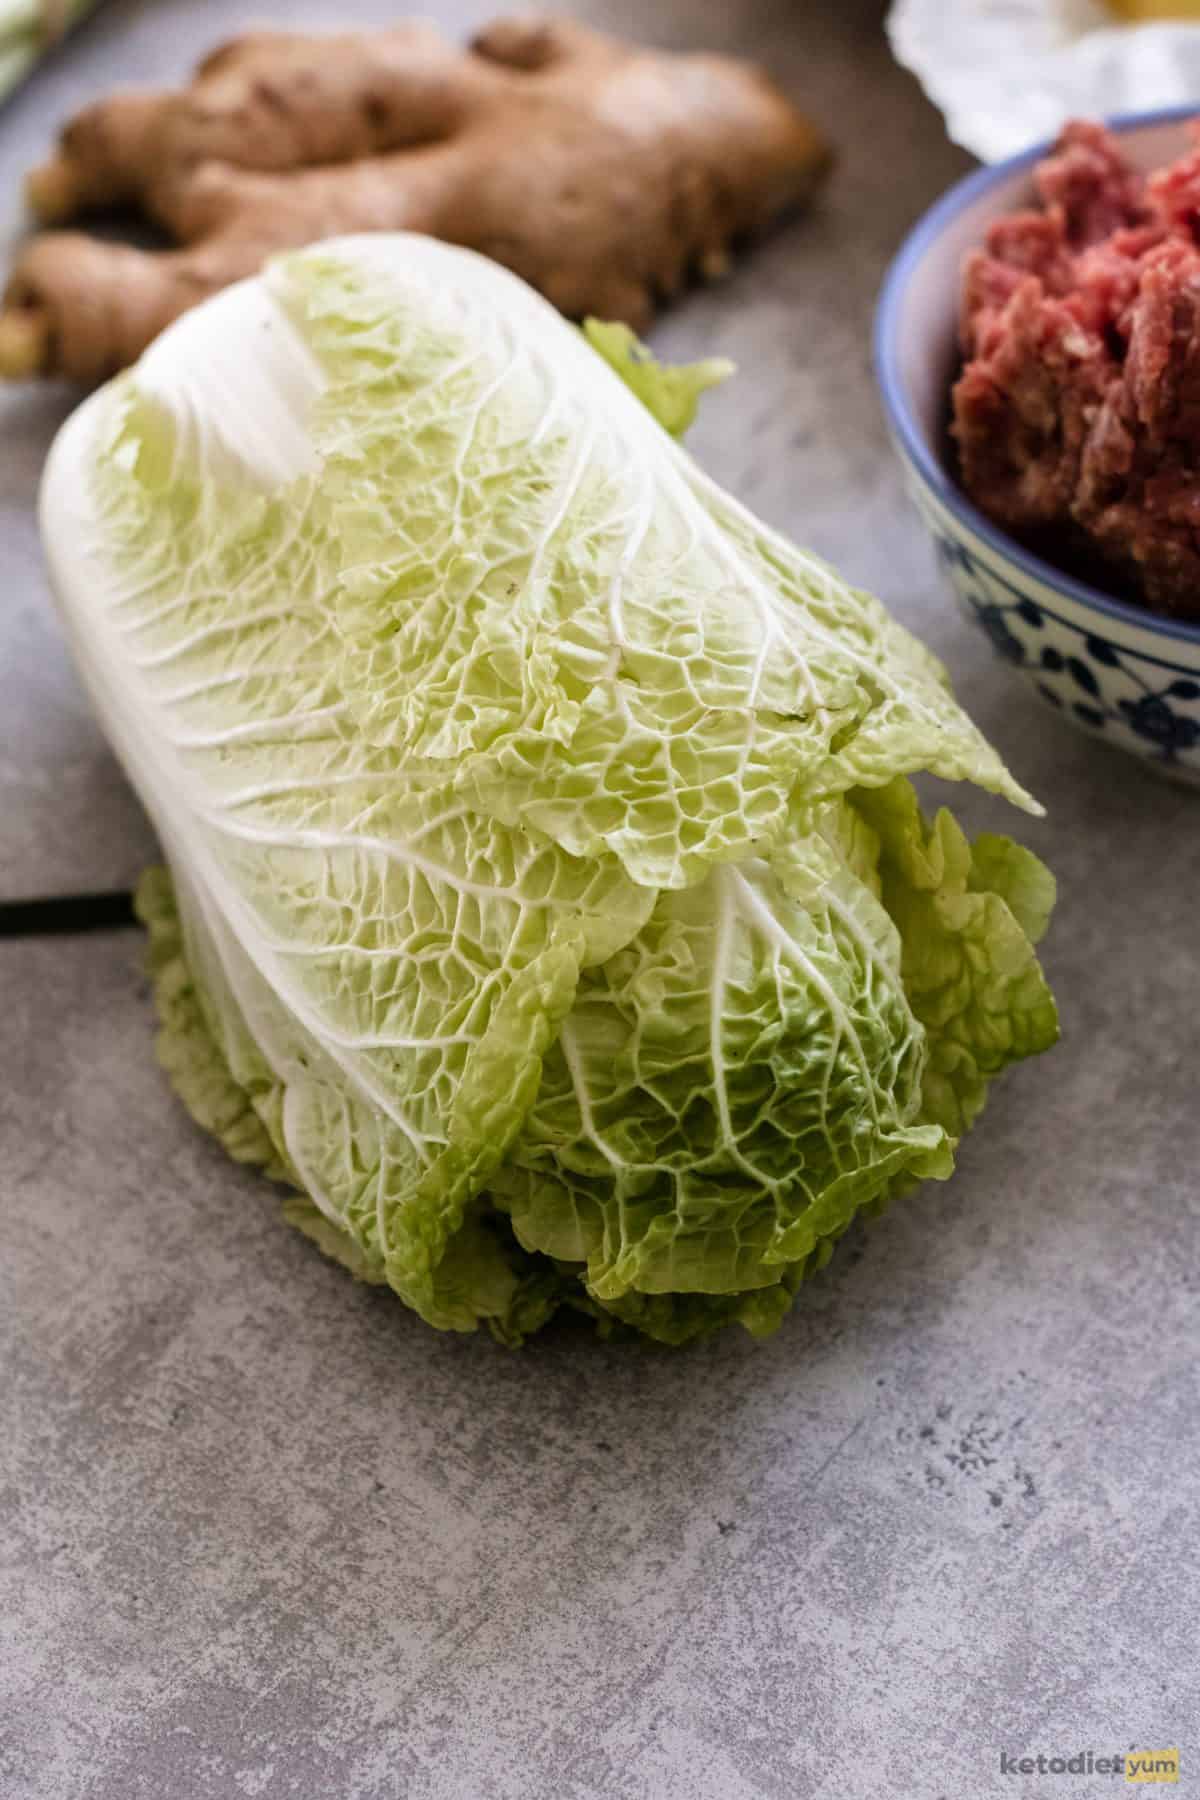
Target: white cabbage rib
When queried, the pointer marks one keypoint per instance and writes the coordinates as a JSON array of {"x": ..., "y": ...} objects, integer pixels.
[{"x": 526, "y": 915}]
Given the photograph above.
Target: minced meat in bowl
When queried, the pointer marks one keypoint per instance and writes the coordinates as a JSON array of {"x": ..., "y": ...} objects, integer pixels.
[
  {"x": 1076, "y": 414},
  {"x": 1063, "y": 516}
]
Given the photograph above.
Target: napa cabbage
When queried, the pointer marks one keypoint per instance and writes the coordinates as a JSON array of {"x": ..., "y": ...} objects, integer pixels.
[{"x": 547, "y": 904}]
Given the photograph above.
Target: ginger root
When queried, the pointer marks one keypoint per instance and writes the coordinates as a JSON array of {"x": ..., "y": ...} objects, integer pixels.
[{"x": 602, "y": 173}]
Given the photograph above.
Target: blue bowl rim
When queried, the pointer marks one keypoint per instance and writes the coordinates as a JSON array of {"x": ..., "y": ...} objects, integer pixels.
[{"x": 925, "y": 232}]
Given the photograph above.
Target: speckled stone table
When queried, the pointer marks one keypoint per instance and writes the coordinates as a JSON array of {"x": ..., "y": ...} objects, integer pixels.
[{"x": 263, "y": 1534}]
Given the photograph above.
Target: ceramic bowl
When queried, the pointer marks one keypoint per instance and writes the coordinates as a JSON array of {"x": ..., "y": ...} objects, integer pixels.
[{"x": 1107, "y": 665}]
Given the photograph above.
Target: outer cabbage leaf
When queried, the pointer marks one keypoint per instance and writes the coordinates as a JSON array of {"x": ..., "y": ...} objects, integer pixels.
[
  {"x": 546, "y": 597},
  {"x": 187, "y": 1050},
  {"x": 779, "y": 1049},
  {"x": 380, "y": 967},
  {"x": 1025, "y": 884},
  {"x": 730, "y": 1088},
  {"x": 968, "y": 916},
  {"x": 482, "y": 1275}
]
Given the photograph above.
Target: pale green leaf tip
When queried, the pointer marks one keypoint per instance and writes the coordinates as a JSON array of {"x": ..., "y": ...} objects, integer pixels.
[{"x": 671, "y": 392}]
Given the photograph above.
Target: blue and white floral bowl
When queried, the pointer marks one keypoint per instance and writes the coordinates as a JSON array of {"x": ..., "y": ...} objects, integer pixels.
[{"x": 1108, "y": 666}]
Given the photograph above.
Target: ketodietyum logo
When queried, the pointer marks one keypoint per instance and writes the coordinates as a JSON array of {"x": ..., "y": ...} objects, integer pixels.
[{"x": 1135, "y": 1765}]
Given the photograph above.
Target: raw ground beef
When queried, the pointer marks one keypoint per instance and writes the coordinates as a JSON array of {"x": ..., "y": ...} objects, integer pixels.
[{"x": 1077, "y": 413}]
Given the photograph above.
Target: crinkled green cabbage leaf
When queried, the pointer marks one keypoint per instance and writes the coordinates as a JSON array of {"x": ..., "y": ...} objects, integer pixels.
[
  {"x": 549, "y": 906},
  {"x": 671, "y": 391}
]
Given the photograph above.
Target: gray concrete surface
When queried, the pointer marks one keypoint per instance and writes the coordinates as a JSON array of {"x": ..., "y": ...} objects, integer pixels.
[{"x": 263, "y": 1534}]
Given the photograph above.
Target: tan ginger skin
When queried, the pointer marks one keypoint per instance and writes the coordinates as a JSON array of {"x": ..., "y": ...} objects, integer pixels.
[{"x": 602, "y": 173}]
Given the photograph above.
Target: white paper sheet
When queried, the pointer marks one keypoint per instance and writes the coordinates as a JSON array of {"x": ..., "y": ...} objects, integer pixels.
[{"x": 1007, "y": 73}]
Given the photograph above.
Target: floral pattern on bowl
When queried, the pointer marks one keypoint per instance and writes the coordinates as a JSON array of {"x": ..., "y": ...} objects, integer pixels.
[{"x": 1100, "y": 674}]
